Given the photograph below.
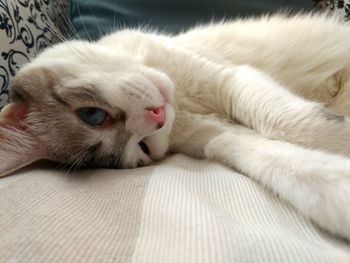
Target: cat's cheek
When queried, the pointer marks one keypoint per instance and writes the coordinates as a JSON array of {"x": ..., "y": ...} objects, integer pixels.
[
  {"x": 158, "y": 144},
  {"x": 133, "y": 155},
  {"x": 140, "y": 121},
  {"x": 139, "y": 125}
]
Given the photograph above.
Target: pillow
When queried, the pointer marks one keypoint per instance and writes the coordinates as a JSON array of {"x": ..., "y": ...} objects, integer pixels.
[
  {"x": 94, "y": 18},
  {"x": 340, "y": 8},
  {"x": 24, "y": 32}
]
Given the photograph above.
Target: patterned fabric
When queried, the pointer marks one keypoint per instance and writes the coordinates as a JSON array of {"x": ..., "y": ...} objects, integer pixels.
[
  {"x": 181, "y": 210},
  {"x": 24, "y": 32},
  {"x": 339, "y": 8}
]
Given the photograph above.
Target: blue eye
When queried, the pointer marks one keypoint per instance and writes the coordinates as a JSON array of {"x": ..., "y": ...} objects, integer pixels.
[{"x": 92, "y": 116}]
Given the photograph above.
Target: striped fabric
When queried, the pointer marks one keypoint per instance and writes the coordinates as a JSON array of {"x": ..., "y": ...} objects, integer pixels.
[{"x": 182, "y": 210}]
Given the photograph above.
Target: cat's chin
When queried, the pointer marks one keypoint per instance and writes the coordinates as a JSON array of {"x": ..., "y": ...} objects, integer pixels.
[
  {"x": 134, "y": 156},
  {"x": 157, "y": 144}
]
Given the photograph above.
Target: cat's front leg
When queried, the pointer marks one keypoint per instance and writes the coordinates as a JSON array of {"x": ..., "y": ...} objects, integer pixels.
[
  {"x": 315, "y": 183},
  {"x": 255, "y": 100}
]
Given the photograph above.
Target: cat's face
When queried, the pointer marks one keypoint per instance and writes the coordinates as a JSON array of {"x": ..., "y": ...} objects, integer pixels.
[{"x": 91, "y": 105}]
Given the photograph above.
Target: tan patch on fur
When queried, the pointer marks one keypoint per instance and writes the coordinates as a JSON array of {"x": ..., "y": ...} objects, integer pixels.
[
  {"x": 31, "y": 84},
  {"x": 336, "y": 83},
  {"x": 82, "y": 94}
]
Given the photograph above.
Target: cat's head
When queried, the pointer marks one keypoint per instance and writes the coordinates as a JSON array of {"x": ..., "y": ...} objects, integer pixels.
[{"x": 85, "y": 104}]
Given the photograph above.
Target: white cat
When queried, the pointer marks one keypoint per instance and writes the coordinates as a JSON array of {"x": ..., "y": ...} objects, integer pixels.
[{"x": 266, "y": 96}]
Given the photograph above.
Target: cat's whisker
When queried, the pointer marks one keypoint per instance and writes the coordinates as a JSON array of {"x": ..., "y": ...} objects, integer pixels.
[
  {"x": 77, "y": 157},
  {"x": 115, "y": 12},
  {"x": 55, "y": 31},
  {"x": 52, "y": 27},
  {"x": 101, "y": 33},
  {"x": 80, "y": 156},
  {"x": 82, "y": 22},
  {"x": 70, "y": 167},
  {"x": 66, "y": 23},
  {"x": 75, "y": 162},
  {"x": 77, "y": 166}
]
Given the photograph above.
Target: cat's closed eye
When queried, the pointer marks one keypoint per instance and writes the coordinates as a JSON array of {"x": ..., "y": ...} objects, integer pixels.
[{"x": 144, "y": 147}]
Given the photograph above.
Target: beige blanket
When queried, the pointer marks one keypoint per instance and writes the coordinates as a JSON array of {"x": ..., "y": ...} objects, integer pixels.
[{"x": 182, "y": 210}]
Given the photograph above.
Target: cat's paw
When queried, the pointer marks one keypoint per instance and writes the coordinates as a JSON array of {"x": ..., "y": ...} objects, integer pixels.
[{"x": 330, "y": 208}]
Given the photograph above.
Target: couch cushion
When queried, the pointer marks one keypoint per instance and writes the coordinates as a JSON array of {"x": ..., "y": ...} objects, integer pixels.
[
  {"x": 96, "y": 17},
  {"x": 24, "y": 32},
  {"x": 181, "y": 210}
]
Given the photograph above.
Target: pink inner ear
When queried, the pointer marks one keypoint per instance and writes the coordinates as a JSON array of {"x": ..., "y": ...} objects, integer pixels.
[
  {"x": 14, "y": 112},
  {"x": 18, "y": 147}
]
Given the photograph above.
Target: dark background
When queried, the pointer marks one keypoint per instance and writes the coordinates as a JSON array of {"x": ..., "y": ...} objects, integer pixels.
[{"x": 92, "y": 18}]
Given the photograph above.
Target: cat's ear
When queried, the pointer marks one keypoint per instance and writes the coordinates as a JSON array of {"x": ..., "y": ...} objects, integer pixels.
[
  {"x": 18, "y": 147},
  {"x": 32, "y": 85}
]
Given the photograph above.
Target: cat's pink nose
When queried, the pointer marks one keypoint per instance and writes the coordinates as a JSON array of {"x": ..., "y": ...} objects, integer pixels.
[{"x": 156, "y": 115}]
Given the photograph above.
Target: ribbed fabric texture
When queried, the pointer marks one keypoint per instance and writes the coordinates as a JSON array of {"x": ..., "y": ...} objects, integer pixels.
[{"x": 181, "y": 210}]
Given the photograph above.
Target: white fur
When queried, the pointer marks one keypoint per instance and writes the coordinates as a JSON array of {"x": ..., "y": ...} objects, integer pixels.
[
  {"x": 302, "y": 54},
  {"x": 260, "y": 73}
]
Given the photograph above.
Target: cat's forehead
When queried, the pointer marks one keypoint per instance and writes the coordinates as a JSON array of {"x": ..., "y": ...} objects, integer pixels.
[
  {"x": 78, "y": 56},
  {"x": 77, "y": 65},
  {"x": 79, "y": 70}
]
